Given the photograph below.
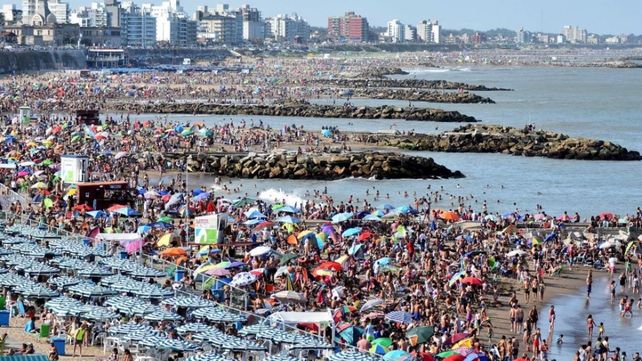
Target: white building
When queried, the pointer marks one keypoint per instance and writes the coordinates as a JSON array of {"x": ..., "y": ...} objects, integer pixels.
[
  {"x": 253, "y": 25},
  {"x": 11, "y": 13},
  {"x": 60, "y": 10},
  {"x": 410, "y": 33},
  {"x": 172, "y": 24},
  {"x": 424, "y": 29},
  {"x": 34, "y": 12},
  {"x": 288, "y": 28},
  {"x": 574, "y": 34},
  {"x": 436, "y": 33},
  {"x": 396, "y": 31},
  {"x": 94, "y": 15},
  {"x": 137, "y": 26}
]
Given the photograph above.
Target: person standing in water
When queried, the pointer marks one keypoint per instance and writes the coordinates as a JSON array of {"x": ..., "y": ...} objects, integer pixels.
[{"x": 590, "y": 324}]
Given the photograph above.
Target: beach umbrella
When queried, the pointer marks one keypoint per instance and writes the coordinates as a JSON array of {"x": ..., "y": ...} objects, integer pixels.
[
  {"x": 397, "y": 355},
  {"x": 420, "y": 334},
  {"x": 217, "y": 272},
  {"x": 242, "y": 202},
  {"x": 100, "y": 314},
  {"x": 330, "y": 265},
  {"x": 456, "y": 338},
  {"x": 351, "y": 232},
  {"x": 254, "y": 213},
  {"x": 371, "y": 217},
  {"x": 288, "y": 209},
  {"x": 383, "y": 341},
  {"x": 40, "y": 269},
  {"x": 95, "y": 271},
  {"x": 127, "y": 212},
  {"x": 262, "y": 225},
  {"x": 243, "y": 279},
  {"x": 97, "y": 214},
  {"x": 370, "y": 304},
  {"x": 165, "y": 219},
  {"x": 288, "y": 297},
  {"x": 39, "y": 185},
  {"x": 206, "y": 357},
  {"x": 288, "y": 220},
  {"x": 152, "y": 194},
  {"x": 162, "y": 315},
  {"x": 517, "y": 252},
  {"x": 351, "y": 335},
  {"x": 90, "y": 290},
  {"x": 449, "y": 216},
  {"x": 260, "y": 251},
  {"x": 164, "y": 240},
  {"x": 378, "y": 349},
  {"x": 342, "y": 217},
  {"x": 287, "y": 257},
  {"x": 399, "y": 317},
  {"x": 120, "y": 155},
  {"x": 474, "y": 281},
  {"x": 188, "y": 302},
  {"x": 351, "y": 355},
  {"x": 193, "y": 327},
  {"x": 173, "y": 252}
]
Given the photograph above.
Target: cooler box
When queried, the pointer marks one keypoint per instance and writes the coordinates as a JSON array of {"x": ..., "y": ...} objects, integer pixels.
[
  {"x": 123, "y": 255},
  {"x": 59, "y": 344},
  {"x": 4, "y": 318},
  {"x": 179, "y": 274}
]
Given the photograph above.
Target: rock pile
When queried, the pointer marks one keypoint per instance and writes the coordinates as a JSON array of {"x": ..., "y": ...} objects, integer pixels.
[
  {"x": 297, "y": 110},
  {"x": 382, "y": 72},
  {"x": 318, "y": 166},
  {"x": 499, "y": 139},
  {"x": 421, "y": 95},
  {"x": 405, "y": 83}
]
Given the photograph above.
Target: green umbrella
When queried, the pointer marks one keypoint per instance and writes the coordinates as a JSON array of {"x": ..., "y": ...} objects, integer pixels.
[
  {"x": 421, "y": 334},
  {"x": 277, "y": 206},
  {"x": 187, "y": 132},
  {"x": 243, "y": 202},
  {"x": 383, "y": 341},
  {"x": 166, "y": 219},
  {"x": 446, "y": 353},
  {"x": 48, "y": 203},
  {"x": 287, "y": 258},
  {"x": 47, "y": 162},
  {"x": 75, "y": 138},
  {"x": 351, "y": 335}
]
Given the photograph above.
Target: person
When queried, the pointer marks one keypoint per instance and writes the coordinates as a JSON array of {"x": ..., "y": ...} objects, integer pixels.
[
  {"x": 3, "y": 340},
  {"x": 128, "y": 355},
  {"x": 600, "y": 330},
  {"x": 560, "y": 340},
  {"x": 53, "y": 353},
  {"x": 114, "y": 354},
  {"x": 363, "y": 344},
  {"x": 589, "y": 283},
  {"x": 589, "y": 325},
  {"x": 80, "y": 337}
]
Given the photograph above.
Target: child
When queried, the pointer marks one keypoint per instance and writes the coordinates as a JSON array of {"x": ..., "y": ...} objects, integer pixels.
[{"x": 560, "y": 340}]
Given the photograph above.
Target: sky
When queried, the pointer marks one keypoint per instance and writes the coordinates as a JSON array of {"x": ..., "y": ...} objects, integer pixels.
[{"x": 597, "y": 16}]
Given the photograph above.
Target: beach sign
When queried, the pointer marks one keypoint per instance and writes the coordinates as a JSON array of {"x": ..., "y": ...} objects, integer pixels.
[{"x": 206, "y": 229}]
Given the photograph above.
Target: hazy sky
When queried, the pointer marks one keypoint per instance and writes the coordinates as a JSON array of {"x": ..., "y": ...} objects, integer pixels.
[{"x": 600, "y": 16}]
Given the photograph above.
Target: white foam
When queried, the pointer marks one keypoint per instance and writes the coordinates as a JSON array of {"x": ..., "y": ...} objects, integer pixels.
[{"x": 273, "y": 195}]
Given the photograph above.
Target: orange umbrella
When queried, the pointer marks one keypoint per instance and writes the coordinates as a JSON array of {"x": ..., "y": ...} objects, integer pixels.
[
  {"x": 332, "y": 266},
  {"x": 449, "y": 216},
  {"x": 173, "y": 252}
]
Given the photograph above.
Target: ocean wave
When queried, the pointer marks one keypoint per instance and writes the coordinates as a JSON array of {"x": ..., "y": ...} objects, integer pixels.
[
  {"x": 430, "y": 70},
  {"x": 273, "y": 195}
]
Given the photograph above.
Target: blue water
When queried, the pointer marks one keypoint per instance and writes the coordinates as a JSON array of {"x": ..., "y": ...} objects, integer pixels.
[{"x": 596, "y": 103}]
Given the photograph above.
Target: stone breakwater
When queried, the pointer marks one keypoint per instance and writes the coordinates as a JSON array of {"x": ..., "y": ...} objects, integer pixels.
[
  {"x": 421, "y": 95},
  {"x": 406, "y": 83},
  {"x": 324, "y": 166},
  {"x": 297, "y": 110},
  {"x": 381, "y": 72},
  {"x": 507, "y": 140}
]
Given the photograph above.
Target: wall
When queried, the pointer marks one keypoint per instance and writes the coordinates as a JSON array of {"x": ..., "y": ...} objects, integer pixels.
[{"x": 41, "y": 60}]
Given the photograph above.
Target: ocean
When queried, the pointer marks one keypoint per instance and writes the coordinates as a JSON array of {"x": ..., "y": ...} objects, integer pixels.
[{"x": 588, "y": 102}]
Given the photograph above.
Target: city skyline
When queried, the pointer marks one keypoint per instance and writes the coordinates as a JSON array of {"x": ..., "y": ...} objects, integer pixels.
[{"x": 549, "y": 16}]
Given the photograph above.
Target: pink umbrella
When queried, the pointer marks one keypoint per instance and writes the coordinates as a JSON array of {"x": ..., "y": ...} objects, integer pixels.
[
  {"x": 217, "y": 272},
  {"x": 23, "y": 173},
  {"x": 539, "y": 217},
  {"x": 134, "y": 246}
]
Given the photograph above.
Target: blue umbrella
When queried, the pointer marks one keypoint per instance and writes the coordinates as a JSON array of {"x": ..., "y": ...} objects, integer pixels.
[
  {"x": 351, "y": 232},
  {"x": 387, "y": 207},
  {"x": 399, "y": 317},
  {"x": 551, "y": 236},
  {"x": 287, "y": 219},
  {"x": 252, "y": 222},
  {"x": 288, "y": 209},
  {"x": 351, "y": 334},
  {"x": 201, "y": 197},
  {"x": 326, "y": 133},
  {"x": 404, "y": 210},
  {"x": 396, "y": 355},
  {"x": 97, "y": 214},
  {"x": 341, "y": 217},
  {"x": 372, "y": 217},
  {"x": 254, "y": 213},
  {"x": 354, "y": 249},
  {"x": 128, "y": 212}
]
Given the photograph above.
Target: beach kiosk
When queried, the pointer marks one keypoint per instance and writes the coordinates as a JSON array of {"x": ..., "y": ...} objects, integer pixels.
[
  {"x": 73, "y": 168},
  {"x": 24, "y": 113},
  {"x": 209, "y": 229}
]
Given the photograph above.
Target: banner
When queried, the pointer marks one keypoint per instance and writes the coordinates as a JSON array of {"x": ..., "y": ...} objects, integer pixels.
[{"x": 206, "y": 229}]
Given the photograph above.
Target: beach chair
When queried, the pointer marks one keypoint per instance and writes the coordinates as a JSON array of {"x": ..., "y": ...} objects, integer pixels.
[
  {"x": 44, "y": 331},
  {"x": 21, "y": 308},
  {"x": 29, "y": 327}
]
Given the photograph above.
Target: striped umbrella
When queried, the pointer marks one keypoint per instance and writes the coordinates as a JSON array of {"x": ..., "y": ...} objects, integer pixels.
[
  {"x": 5, "y": 252},
  {"x": 188, "y": 301},
  {"x": 64, "y": 281},
  {"x": 95, "y": 271},
  {"x": 152, "y": 292},
  {"x": 100, "y": 314},
  {"x": 129, "y": 328},
  {"x": 281, "y": 358},
  {"x": 18, "y": 261},
  {"x": 115, "y": 280},
  {"x": 3, "y": 270},
  {"x": 64, "y": 306},
  {"x": 162, "y": 315},
  {"x": 163, "y": 343},
  {"x": 12, "y": 280},
  {"x": 130, "y": 305},
  {"x": 41, "y": 269},
  {"x": 35, "y": 250},
  {"x": 351, "y": 355},
  {"x": 34, "y": 290},
  {"x": 210, "y": 356},
  {"x": 74, "y": 264},
  {"x": 399, "y": 317},
  {"x": 243, "y": 279},
  {"x": 217, "y": 314},
  {"x": 15, "y": 240},
  {"x": 254, "y": 329},
  {"x": 90, "y": 290},
  {"x": 141, "y": 335},
  {"x": 193, "y": 327},
  {"x": 145, "y": 272}
]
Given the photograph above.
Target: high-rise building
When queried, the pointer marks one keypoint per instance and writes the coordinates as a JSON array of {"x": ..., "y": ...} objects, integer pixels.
[
  {"x": 424, "y": 28},
  {"x": 396, "y": 31},
  {"x": 11, "y": 14},
  {"x": 410, "y": 33},
  {"x": 288, "y": 28},
  {"x": 435, "y": 35},
  {"x": 94, "y": 15},
  {"x": 60, "y": 10},
  {"x": 112, "y": 8},
  {"x": 574, "y": 34},
  {"x": 34, "y": 12},
  {"x": 137, "y": 26},
  {"x": 172, "y": 24},
  {"x": 253, "y": 25},
  {"x": 521, "y": 36},
  {"x": 220, "y": 29},
  {"x": 350, "y": 27}
]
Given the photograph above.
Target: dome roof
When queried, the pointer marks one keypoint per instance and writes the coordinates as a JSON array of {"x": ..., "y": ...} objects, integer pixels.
[{"x": 51, "y": 19}]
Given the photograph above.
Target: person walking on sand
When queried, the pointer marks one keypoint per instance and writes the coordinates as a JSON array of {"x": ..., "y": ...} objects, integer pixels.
[
  {"x": 589, "y": 283},
  {"x": 79, "y": 338},
  {"x": 590, "y": 324}
]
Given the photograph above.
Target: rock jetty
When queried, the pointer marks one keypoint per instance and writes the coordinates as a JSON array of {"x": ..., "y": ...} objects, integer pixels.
[
  {"x": 297, "y": 110},
  {"x": 405, "y": 83},
  {"x": 507, "y": 140},
  {"x": 382, "y": 72},
  {"x": 326, "y": 166},
  {"x": 421, "y": 95}
]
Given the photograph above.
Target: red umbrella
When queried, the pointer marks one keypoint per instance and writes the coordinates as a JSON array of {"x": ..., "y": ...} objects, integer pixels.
[
  {"x": 365, "y": 235},
  {"x": 607, "y": 215},
  {"x": 329, "y": 265},
  {"x": 424, "y": 356},
  {"x": 263, "y": 225},
  {"x": 115, "y": 207},
  {"x": 472, "y": 281},
  {"x": 83, "y": 207},
  {"x": 456, "y": 338}
]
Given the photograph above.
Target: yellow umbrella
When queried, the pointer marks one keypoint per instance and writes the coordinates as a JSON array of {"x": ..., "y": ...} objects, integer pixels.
[
  {"x": 342, "y": 259},
  {"x": 164, "y": 240},
  {"x": 467, "y": 342},
  {"x": 72, "y": 192},
  {"x": 302, "y": 234},
  {"x": 204, "y": 268}
]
